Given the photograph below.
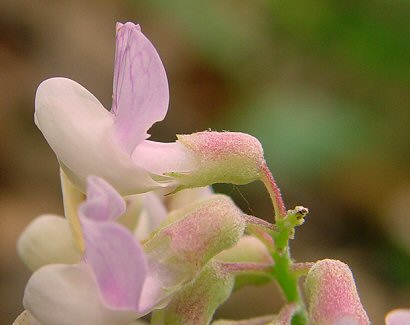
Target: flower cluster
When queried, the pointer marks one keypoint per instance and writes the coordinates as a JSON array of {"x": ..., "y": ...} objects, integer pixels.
[{"x": 143, "y": 233}]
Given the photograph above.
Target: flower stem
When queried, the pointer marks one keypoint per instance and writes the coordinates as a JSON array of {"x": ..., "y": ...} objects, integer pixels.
[
  {"x": 284, "y": 271},
  {"x": 288, "y": 281},
  {"x": 251, "y": 220},
  {"x": 243, "y": 267},
  {"x": 274, "y": 192}
]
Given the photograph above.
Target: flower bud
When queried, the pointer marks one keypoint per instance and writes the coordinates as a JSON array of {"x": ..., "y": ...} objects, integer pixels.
[
  {"x": 222, "y": 157},
  {"x": 188, "y": 239},
  {"x": 196, "y": 302},
  {"x": 332, "y": 295},
  {"x": 196, "y": 233}
]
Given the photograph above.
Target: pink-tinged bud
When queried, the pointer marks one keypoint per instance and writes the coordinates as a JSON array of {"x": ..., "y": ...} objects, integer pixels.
[
  {"x": 187, "y": 240},
  {"x": 332, "y": 295},
  {"x": 222, "y": 157},
  {"x": 198, "y": 232},
  {"x": 196, "y": 302},
  {"x": 398, "y": 317}
]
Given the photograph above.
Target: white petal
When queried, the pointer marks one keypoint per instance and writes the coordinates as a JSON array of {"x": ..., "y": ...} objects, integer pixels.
[
  {"x": 152, "y": 214},
  {"x": 160, "y": 158},
  {"x": 77, "y": 127},
  {"x": 134, "y": 207},
  {"x": 47, "y": 240},
  {"x": 68, "y": 295}
]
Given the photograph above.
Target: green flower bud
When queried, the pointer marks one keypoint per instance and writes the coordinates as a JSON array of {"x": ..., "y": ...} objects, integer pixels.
[{"x": 196, "y": 302}]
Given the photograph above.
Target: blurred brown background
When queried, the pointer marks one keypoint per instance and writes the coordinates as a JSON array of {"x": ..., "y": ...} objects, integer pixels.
[{"x": 323, "y": 84}]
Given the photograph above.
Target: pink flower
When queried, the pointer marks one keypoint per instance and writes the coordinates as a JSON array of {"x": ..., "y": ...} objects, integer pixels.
[
  {"x": 105, "y": 287},
  {"x": 118, "y": 279},
  {"x": 90, "y": 140}
]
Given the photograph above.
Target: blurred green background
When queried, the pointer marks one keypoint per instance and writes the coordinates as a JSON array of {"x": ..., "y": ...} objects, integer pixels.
[{"x": 323, "y": 84}]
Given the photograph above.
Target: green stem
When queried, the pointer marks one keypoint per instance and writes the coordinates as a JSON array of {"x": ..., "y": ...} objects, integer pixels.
[
  {"x": 288, "y": 280},
  {"x": 284, "y": 271},
  {"x": 289, "y": 284}
]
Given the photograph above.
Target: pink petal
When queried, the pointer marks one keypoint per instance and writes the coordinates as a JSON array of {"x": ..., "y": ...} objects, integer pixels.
[
  {"x": 116, "y": 257},
  {"x": 140, "y": 89},
  {"x": 398, "y": 317},
  {"x": 67, "y": 295},
  {"x": 103, "y": 201},
  {"x": 118, "y": 262}
]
